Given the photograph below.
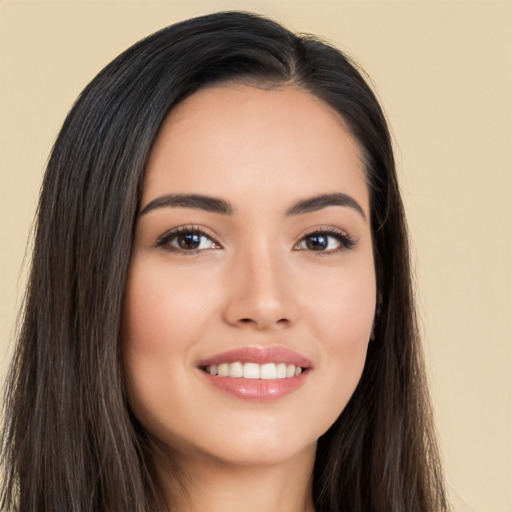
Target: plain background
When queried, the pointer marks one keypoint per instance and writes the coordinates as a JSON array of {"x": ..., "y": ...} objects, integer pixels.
[{"x": 443, "y": 72}]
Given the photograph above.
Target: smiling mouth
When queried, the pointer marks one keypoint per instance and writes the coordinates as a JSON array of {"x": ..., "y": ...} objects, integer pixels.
[{"x": 254, "y": 371}]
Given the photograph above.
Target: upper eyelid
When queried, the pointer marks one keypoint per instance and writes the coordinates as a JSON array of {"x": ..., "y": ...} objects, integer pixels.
[
  {"x": 187, "y": 228},
  {"x": 347, "y": 240},
  {"x": 328, "y": 230}
]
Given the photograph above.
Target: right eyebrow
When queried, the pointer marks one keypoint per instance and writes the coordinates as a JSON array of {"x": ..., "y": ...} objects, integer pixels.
[{"x": 195, "y": 201}]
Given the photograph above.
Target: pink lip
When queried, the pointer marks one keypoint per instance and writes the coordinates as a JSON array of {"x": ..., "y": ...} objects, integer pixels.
[
  {"x": 258, "y": 355},
  {"x": 259, "y": 390}
]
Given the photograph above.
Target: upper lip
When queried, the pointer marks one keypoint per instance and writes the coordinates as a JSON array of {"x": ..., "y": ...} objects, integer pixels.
[{"x": 259, "y": 355}]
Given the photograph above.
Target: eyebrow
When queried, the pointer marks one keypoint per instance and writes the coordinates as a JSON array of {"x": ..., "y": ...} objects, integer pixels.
[
  {"x": 217, "y": 205},
  {"x": 313, "y": 204},
  {"x": 195, "y": 201}
]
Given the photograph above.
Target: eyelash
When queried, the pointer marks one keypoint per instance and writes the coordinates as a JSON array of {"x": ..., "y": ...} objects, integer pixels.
[
  {"x": 165, "y": 240},
  {"x": 346, "y": 242}
]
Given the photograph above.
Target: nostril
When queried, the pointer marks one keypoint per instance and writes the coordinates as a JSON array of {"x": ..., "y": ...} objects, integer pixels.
[
  {"x": 248, "y": 322},
  {"x": 281, "y": 321}
]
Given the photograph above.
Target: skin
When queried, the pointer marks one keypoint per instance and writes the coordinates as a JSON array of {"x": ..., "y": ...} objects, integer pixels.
[{"x": 254, "y": 281}]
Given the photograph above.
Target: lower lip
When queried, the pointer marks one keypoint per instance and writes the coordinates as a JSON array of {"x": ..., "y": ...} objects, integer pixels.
[{"x": 257, "y": 390}]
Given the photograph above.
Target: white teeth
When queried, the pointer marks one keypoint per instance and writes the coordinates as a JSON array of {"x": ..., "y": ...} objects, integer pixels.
[
  {"x": 267, "y": 371},
  {"x": 281, "y": 371},
  {"x": 223, "y": 370},
  {"x": 236, "y": 369},
  {"x": 251, "y": 371}
]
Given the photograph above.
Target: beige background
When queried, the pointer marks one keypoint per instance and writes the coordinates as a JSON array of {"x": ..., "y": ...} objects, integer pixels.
[{"x": 443, "y": 70}]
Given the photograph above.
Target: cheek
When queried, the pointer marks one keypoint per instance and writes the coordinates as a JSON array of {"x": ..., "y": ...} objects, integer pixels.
[
  {"x": 163, "y": 311},
  {"x": 342, "y": 313},
  {"x": 342, "y": 305},
  {"x": 163, "y": 317}
]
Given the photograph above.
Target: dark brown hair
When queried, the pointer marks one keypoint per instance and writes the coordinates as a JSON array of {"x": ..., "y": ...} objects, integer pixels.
[{"x": 70, "y": 442}]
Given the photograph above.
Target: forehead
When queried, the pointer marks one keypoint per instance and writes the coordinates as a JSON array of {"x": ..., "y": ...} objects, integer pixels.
[{"x": 252, "y": 142}]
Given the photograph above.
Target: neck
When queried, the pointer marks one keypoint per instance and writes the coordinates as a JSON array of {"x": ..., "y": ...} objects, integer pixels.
[{"x": 218, "y": 486}]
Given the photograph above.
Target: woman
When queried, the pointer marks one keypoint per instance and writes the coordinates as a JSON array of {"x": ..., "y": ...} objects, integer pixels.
[{"x": 219, "y": 314}]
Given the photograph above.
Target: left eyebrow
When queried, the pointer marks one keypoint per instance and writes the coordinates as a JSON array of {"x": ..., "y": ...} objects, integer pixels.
[{"x": 313, "y": 204}]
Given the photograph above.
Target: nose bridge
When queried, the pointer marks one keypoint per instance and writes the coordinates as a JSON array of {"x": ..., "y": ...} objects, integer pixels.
[{"x": 260, "y": 296}]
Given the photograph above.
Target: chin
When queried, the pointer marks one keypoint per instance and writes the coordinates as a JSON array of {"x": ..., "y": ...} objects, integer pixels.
[
  {"x": 265, "y": 453},
  {"x": 243, "y": 447}
]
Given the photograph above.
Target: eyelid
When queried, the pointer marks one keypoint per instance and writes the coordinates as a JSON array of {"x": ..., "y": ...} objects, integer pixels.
[
  {"x": 347, "y": 241},
  {"x": 172, "y": 233}
]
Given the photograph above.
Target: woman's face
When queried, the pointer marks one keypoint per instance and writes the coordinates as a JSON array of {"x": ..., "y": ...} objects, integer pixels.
[{"x": 252, "y": 262}]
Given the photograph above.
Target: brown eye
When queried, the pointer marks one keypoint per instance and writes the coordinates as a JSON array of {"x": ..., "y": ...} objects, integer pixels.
[
  {"x": 318, "y": 242},
  {"x": 189, "y": 241},
  {"x": 186, "y": 240},
  {"x": 326, "y": 241}
]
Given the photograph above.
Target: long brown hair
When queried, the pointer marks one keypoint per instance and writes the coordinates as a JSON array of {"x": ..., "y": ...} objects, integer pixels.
[{"x": 70, "y": 442}]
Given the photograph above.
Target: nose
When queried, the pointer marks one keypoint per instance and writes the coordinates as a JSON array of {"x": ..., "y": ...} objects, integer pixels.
[{"x": 260, "y": 292}]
